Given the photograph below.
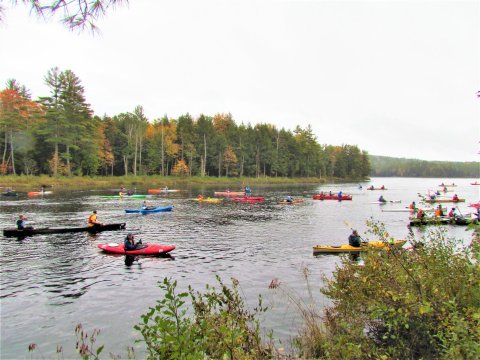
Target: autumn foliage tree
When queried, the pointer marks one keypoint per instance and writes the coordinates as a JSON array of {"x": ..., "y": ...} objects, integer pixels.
[{"x": 18, "y": 117}]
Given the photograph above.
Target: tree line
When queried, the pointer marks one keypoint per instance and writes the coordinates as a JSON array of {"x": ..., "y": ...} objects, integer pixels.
[
  {"x": 58, "y": 134},
  {"x": 388, "y": 166}
]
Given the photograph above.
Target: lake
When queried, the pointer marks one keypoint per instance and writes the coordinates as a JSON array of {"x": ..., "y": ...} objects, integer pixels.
[{"x": 50, "y": 283}]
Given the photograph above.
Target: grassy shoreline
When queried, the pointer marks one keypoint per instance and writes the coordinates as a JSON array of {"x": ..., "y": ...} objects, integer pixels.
[{"x": 31, "y": 183}]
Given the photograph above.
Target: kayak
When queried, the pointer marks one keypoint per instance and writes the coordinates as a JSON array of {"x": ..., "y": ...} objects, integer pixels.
[
  {"x": 91, "y": 229},
  {"x": 10, "y": 193},
  {"x": 328, "y": 249},
  {"x": 441, "y": 221},
  {"x": 476, "y": 206},
  {"x": 250, "y": 199},
  {"x": 208, "y": 200},
  {"x": 376, "y": 189},
  {"x": 229, "y": 193},
  {"x": 147, "y": 249},
  {"x": 449, "y": 185},
  {"x": 161, "y": 191},
  {"x": 134, "y": 196},
  {"x": 475, "y": 183},
  {"x": 398, "y": 210},
  {"x": 35, "y": 193},
  {"x": 387, "y": 202},
  {"x": 331, "y": 197},
  {"x": 430, "y": 201},
  {"x": 430, "y": 221},
  {"x": 150, "y": 210},
  {"x": 285, "y": 202}
]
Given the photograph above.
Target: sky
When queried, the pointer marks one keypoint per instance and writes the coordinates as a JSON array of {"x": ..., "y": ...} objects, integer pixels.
[{"x": 395, "y": 78}]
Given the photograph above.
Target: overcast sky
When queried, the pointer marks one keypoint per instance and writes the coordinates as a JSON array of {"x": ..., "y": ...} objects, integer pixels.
[{"x": 396, "y": 78}]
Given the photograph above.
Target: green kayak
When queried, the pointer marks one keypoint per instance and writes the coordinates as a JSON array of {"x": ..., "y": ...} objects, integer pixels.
[{"x": 134, "y": 196}]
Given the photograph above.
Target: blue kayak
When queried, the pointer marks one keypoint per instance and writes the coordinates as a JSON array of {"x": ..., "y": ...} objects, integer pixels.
[{"x": 148, "y": 210}]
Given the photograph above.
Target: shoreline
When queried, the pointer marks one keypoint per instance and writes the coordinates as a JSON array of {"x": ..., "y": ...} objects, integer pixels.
[{"x": 30, "y": 183}]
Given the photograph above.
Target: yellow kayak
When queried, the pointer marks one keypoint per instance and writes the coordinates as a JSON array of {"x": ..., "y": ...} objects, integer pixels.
[
  {"x": 327, "y": 249},
  {"x": 209, "y": 200},
  {"x": 285, "y": 202}
]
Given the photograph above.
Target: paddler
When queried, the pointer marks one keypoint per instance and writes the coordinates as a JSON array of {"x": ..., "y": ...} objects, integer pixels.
[
  {"x": 381, "y": 199},
  {"x": 92, "y": 219},
  {"x": 354, "y": 239},
  {"x": 129, "y": 243},
  {"x": 21, "y": 223}
]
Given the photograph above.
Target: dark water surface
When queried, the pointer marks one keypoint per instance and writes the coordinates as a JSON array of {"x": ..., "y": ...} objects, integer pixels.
[{"x": 50, "y": 283}]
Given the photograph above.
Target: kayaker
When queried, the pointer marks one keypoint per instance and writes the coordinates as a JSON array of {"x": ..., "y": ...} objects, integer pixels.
[
  {"x": 412, "y": 206},
  {"x": 289, "y": 198},
  {"x": 92, "y": 219},
  {"x": 420, "y": 214},
  {"x": 248, "y": 191},
  {"x": 381, "y": 199},
  {"x": 145, "y": 206},
  {"x": 371, "y": 187},
  {"x": 200, "y": 197},
  {"x": 21, "y": 223},
  {"x": 354, "y": 239},
  {"x": 453, "y": 213},
  {"x": 129, "y": 243},
  {"x": 455, "y": 197},
  {"x": 439, "y": 211},
  {"x": 383, "y": 187},
  {"x": 339, "y": 195}
]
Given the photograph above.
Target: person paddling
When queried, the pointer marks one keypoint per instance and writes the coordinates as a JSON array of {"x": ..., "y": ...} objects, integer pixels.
[
  {"x": 354, "y": 239},
  {"x": 381, "y": 199},
  {"x": 129, "y": 243},
  {"x": 21, "y": 223},
  {"x": 92, "y": 219}
]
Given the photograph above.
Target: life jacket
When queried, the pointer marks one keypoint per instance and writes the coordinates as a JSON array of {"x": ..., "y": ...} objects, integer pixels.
[
  {"x": 438, "y": 212},
  {"x": 92, "y": 219}
]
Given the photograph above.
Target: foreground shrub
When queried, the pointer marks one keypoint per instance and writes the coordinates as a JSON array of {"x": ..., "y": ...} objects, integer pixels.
[
  {"x": 221, "y": 327},
  {"x": 418, "y": 304}
]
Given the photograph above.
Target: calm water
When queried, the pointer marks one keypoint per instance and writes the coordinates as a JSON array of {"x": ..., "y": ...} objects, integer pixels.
[{"x": 51, "y": 283}]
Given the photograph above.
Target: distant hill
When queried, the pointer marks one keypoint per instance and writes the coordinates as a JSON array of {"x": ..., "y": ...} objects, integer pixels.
[{"x": 389, "y": 166}]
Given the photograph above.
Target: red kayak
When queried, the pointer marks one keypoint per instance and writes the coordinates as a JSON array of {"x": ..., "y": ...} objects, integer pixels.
[
  {"x": 250, "y": 199},
  {"x": 331, "y": 197},
  {"x": 148, "y": 249}
]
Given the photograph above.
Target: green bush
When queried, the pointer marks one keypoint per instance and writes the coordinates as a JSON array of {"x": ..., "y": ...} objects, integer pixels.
[
  {"x": 397, "y": 304},
  {"x": 221, "y": 327}
]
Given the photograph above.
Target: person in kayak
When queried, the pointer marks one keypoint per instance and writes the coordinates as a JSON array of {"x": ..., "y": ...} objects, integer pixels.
[
  {"x": 129, "y": 243},
  {"x": 289, "y": 199},
  {"x": 340, "y": 195},
  {"x": 420, "y": 214},
  {"x": 412, "y": 206},
  {"x": 383, "y": 187},
  {"x": 21, "y": 223},
  {"x": 439, "y": 211},
  {"x": 354, "y": 239},
  {"x": 145, "y": 206},
  {"x": 381, "y": 199},
  {"x": 92, "y": 219},
  {"x": 453, "y": 213},
  {"x": 455, "y": 197}
]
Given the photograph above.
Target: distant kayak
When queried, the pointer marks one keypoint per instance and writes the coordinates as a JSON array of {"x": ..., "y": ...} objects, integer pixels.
[
  {"x": 9, "y": 193},
  {"x": 36, "y": 193},
  {"x": 134, "y": 196},
  {"x": 229, "y": 193},
  {"x": 377, "y": 189},
  {"x": 286, "y": 202},
  {"x": 387, "y": 202},
  {"x": 331, "y": 197},
  {"x": 150, "y": 210},
  {"x": 430, "y": 201},
  {"x": 147, "y": 249},
  {"x": 328, "y": 249},
  {"x": 475, "y": 183},
  {"x": 160, "y": 191},
  {"x": 208, "y": 200},
  {"x": 249, "y": 199}
]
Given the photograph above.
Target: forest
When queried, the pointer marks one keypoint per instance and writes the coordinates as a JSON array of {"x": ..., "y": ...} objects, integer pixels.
[
  {"x": 388, "y": 166},
  {"x": 59, "y": 135}
]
